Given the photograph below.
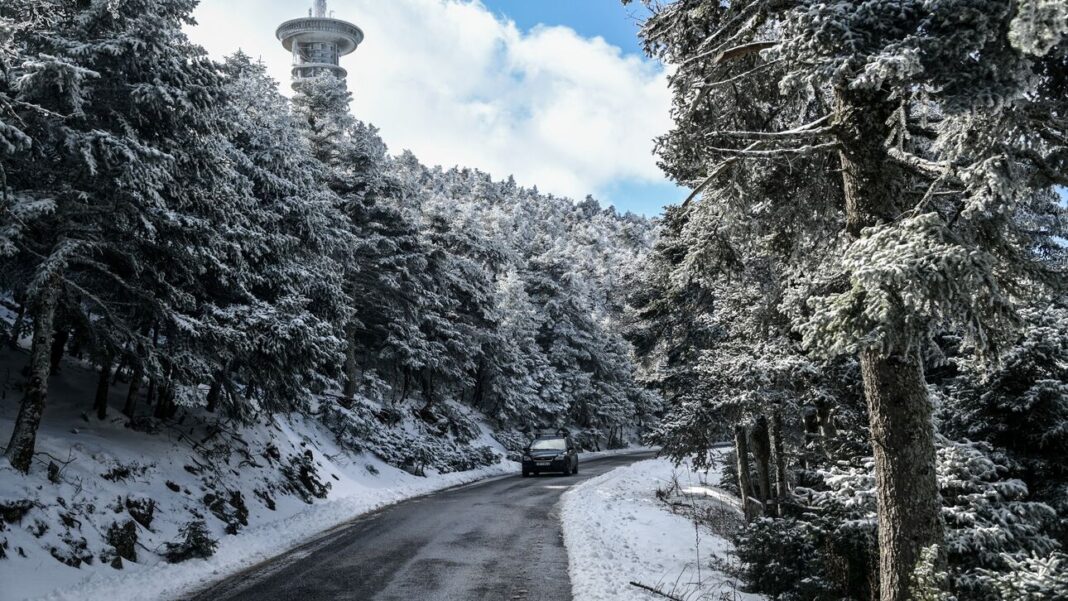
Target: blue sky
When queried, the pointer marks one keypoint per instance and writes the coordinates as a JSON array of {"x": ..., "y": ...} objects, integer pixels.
[
  {"x": 554, "y": 92},
  {"x": 616, "y": 23}
]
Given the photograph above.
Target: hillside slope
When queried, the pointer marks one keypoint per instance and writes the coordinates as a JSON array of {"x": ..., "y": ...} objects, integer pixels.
[{"x": 106, "y": 501}]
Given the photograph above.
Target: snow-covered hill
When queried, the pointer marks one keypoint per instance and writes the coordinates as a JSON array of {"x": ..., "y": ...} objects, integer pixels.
[{"x": 107, "y": 501}]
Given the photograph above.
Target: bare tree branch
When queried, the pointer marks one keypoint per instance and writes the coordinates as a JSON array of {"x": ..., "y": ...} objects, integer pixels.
[
  {"x": 774, "y": 135},
  {"x": 729, "y": 80},
  {"x": 918, "y": 164},
  {"x": 777, "y": 152},
  {"x": 719, "y": 170},
  {"x": 744, "y": 50}
]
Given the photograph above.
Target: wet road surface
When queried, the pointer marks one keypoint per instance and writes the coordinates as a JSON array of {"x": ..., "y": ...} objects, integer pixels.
[{"x": 498, "y": 540}]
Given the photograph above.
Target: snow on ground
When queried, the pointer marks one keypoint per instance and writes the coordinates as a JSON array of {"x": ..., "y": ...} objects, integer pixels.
[
  {"x": 162, "y": 580},
  {"x": 258, "y": 479},
  {"x": 277, "y": 482},
  {"x": 618, "y": 531}
]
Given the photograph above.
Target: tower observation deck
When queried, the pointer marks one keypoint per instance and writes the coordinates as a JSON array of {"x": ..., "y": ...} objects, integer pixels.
[{"x": 318, "y": 42}]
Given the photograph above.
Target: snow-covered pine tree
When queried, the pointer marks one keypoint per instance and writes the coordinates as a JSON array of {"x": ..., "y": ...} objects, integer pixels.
[
  {"x": 385, "y": 270},
  {"x": 1020, "y": 405},
  {"x": 516, "y": 384},
  {"x": 126, "y": 151},
  {"x": 947, "y": 145},
  {"x": 290, "y": 297}
]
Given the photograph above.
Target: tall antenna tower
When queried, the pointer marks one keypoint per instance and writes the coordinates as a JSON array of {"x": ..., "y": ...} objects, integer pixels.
[{"x": 318, "y": 42}]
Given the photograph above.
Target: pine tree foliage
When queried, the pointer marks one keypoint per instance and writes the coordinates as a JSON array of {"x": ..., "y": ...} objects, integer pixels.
[
  {"x": 871, "y": 179},
  {"x": 1020, "y": 405},
  {"x": 181, "y": 225}
]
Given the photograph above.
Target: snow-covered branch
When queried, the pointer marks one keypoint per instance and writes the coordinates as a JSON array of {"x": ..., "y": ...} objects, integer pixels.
[{"x": 777, "y": 152}]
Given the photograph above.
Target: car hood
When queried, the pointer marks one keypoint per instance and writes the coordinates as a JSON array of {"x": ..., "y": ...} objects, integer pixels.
[{"x": 544, "y": 454}]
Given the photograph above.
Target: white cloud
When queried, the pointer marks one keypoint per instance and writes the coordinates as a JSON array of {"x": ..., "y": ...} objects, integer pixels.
[{"x": 456, "y": 85}]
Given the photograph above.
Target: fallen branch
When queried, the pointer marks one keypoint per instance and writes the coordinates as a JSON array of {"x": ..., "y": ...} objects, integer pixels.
[{"x": 655, "y": 591}]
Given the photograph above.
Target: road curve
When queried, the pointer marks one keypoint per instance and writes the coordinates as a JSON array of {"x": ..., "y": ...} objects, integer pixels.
[{"x": 495, "y": 540}]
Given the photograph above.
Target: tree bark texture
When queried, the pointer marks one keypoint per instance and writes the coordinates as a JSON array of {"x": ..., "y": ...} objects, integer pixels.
[
  {"x": 761, "y": 445},
  {"x": 902, "y": 433},
  {"x": 16, "y": 328},
  {"x": 825, "y": 418},
  {"x": 24, "y": 436},
  {"x": 741, "y": 451},
  {"x": 902, "y": 436}
]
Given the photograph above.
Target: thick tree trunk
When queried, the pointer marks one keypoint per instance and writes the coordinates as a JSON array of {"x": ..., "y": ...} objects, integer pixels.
[
  {"x": 778, "y": 460},
  {"x": 902, "y": 433},
  {"x": 100, "y": 400},
  {"x": 761, "y": 444},
  {"x": 135, "y": 388},
  {"x": 428, "y": 391},
  {"x": 405, "y": 385},
  {"x": 906, "y": 484},
  {"x": 812, "y": 433},
  {"x": 741, "y": 451},
  {"x": 478, "y": 395},
  {"x": 24, "y": 436}
]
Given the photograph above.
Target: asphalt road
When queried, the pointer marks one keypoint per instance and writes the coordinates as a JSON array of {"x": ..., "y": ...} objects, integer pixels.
[{"x": 496, "y": 540}]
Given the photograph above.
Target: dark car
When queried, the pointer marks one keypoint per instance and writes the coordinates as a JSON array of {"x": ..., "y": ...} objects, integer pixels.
[{"x": 550, "y": 454}]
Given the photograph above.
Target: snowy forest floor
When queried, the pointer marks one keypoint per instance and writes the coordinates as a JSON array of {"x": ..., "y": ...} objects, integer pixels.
[
  {"x": 638, "y": 524},
  {"x": 260, "y": 488}
]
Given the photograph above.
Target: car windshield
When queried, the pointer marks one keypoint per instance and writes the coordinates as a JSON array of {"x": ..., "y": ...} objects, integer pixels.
[{"x": 549, "y": 444}]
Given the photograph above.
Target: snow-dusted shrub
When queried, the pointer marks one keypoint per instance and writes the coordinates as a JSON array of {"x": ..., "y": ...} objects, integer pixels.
[
  {"x": 301, "y": 478},
  {"x": 123, "y": 539},
  {"x": 231, "y": 509},
  {"x": 513, "y": 442},
  {"x": 194, "y": 543},
  {"x": 783, "y": 558},
  {"x": 988, "y": 518},
  {"x": 1020, "y": 406},
  {"x": 74, "y": 552},
  {"x": 412, "y": 443},
  {"x": 1030, "y": 578},
  {"x": 141, "y": 509}
]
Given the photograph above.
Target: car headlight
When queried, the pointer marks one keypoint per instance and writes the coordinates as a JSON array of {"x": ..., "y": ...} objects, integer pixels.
[{"x": 527, "y": 458}]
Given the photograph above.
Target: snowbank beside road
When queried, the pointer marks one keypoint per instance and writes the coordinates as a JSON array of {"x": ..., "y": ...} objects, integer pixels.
[
  {"x": 617, "y": 531},
  {"x": 259, "y": 488},
  {"x": 252, "y": 546}
]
